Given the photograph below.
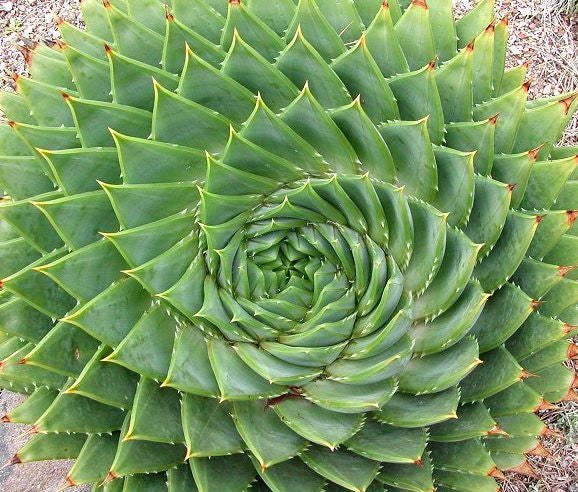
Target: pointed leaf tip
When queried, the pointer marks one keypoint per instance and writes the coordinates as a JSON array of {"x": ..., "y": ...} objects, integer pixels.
[
  {"x": 572, "y": 352},
  {"x": 420, "y": 3}
]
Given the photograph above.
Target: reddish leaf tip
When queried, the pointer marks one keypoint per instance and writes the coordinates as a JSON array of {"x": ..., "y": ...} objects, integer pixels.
[
  {"x": 533, "y": 154},
  {"x": 5, "y": 419},
  {"x": 572, "y": 352},
  {"x": 234, "y": 2},
  {"x": 526, "y": 85},
  {"x": 24, "y": 360},
  {"x": 471, "y": 45},
  {"x": 539, "y": 450},
  {"x": 525, "y": 374},
  {"x": 567, "y": 328},
  {"x": 420, "y": 3},
  {"x": 418, "y": 462},
  {"x": 106, "y": 4},
  {"x": 107, "y": 48},
  {"x": 492, "y": 120},
  {"x": 69, "y": 482},
  {"x": 15, "y": 460},
  {"x": 491, "y": 26},
  {"x": 496, "y": 473},
  {"x": 538, "y": 219},
  {"x": 545, "y": 405},
  {"x": 564, "y": 270},
  {"x": 65, "y": 95},
  {"x": 497, "y": 431},
  {"x": 567, "y": 102},
  {"x": 570, "y": 396}
]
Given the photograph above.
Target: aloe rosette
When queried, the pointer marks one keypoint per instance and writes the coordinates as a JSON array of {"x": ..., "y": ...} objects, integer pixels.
[{"x": 288, "y": 246}]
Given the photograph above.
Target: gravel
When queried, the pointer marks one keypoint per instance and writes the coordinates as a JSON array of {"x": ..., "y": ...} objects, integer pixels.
[{"x": 539, "y": 35}]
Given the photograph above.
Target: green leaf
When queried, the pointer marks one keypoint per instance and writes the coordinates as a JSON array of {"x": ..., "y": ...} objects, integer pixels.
[
  {"x": 510, "y": 108},
  {"x": 515, "y": 170},
  {"x": 273, "y": 369},
  {"x": 147, "y": 348},
  {"x": 107, "y": 383},
  {"x": 148, "y": 241},
  {"x": 451, "y": 326},
  {"x": 133, "y": 456},
  {"x": 249, "y": 68},
  {"x": 252, "y": 29},
  {"x": 469, "y": 456},
  {"x": 342, "y": 467},
  {"x": 407, "y": 410},
  {"x": 547, "y": 179},
  {"x": 91, "y": 74},
  {"x": 209, "y": 476},
  {"x": 79, "y": 219},
  {"x": 281, "y": 477},
  {"x": 77, "y": 170},
  {"x": 190, "y": 369},
  {"x": 415, "y": 35},
  {"x": 75, "y": 413},
  {"x": 454, "y": 82},
  {"x": 317, "y": 424},
  {"x": 99, "y": 261},
  {"x": 415, "y": 477},
  {"x": 133, "y": 39},
  {"x": 64, "y": 350},
  {"x": 31, "y": 409},
  {"x": 200, "y": 17},
  {"x": 427, "y": 253},
  {"x": 376, "y": 97},
  {"x": 184, "y": 122},
  {"x": 495, "y": 269},
  {"x": 413, "y": 156},
  {"x": 94, "y": 118},
  {"x": 109, "y": 316},
  {"x": 503, "y": 314},
  {"x": 456, "y": 184},
  {"x": 235, "y": 379},
  {"x": 301, "y": 63},
  {"x": 471, "y": 421},
  {"x": 489, "y": 212},
  {"x": 132, "y": 81},
  {"x": 266, "y": 129},
  {"x": 94, "y": 460},
  {"x": 141, "y": 204},
  {"x": 152, "y": 405},
  {"x": 474, "y": 22},
  {"x": 308, "y": 119},
  {"x": 366, "y": 140},
  {"x": 38, "y": 290},
  {"x": 437, "y": 372},
  {"x": 535, "y": 333},
  {"x": 206, "y": 85},
  {"x": 499, "y": 370},
  {"x": 268, "y": 438},
  {"x": 478, "y": 137},
  {"x": 53, "y": 446},
  {"x": 382, "y": 41},
  {"x": 179, "y": 39},
  {"x": 21, "y": 319},
  {"x": 382, "y": 442},
  {"x": 417, "y": 98},
  {"x": 209, "y": 428},
  {"x": 349, "y": 398},
  {"x": 456, "y": 267},
  {"x": 317, "y": 30}
]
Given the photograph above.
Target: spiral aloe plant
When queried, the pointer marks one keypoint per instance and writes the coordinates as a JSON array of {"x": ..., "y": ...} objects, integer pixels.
[{"x": 294, "y": 246}]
